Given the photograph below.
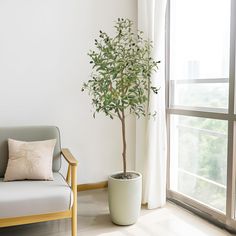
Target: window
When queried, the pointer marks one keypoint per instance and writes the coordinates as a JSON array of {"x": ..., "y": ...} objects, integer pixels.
[{"x": 200, "y": 64}]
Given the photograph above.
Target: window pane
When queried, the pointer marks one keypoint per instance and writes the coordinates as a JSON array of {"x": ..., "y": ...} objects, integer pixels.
[
  {"x": 199, "y": 159},
  {"x": 209, "y": 95},
  {"x": 199, "y": 53},
  {"x": 200, "y": 36}
]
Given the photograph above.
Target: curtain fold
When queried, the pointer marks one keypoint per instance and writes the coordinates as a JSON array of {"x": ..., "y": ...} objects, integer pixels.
[{"x": 151, "y": 133}]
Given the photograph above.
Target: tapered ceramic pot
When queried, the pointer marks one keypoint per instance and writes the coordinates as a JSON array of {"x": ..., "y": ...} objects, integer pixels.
[{"x": 124, "y": 196}]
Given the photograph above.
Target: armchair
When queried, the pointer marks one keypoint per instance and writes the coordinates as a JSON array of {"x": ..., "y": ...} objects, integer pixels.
[{"x": 24, "y": 202}]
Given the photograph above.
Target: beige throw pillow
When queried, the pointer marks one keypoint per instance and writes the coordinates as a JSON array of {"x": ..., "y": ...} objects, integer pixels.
[{"x": 30, "y": 160}]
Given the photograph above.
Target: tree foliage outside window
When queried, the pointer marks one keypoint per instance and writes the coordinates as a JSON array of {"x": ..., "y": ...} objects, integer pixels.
[{"x": 203, "y": 154}]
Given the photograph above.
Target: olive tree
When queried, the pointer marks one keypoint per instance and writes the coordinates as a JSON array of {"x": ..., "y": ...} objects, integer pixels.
[{"x": 120, "y": 81}]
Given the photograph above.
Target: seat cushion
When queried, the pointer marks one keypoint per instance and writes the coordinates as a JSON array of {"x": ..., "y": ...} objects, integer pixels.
[{"x": 23, "y": 198}]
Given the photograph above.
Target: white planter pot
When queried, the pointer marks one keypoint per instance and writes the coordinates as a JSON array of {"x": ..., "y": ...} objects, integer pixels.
[{"x": 124, "y": 196}]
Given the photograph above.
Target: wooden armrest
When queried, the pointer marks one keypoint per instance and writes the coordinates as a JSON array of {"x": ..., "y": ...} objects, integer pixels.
[{"x": 69, "y": 157}]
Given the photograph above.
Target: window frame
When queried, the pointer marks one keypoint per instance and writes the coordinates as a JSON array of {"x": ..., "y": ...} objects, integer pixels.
[{"x": 228, "y": 220}]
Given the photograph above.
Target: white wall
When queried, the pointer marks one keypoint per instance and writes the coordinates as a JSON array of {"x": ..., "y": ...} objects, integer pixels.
[{"x": 43, "y": 63}]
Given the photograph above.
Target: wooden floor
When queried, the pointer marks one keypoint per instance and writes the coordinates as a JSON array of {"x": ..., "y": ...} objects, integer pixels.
[{"x": 93, "y": 219}]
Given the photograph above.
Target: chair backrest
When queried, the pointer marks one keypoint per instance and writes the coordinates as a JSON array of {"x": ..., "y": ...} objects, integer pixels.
[{"x": 29, "y": 133}]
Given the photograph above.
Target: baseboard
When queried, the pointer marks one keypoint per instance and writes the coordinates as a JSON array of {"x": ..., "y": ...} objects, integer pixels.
[{"x": 91, "y": 186}]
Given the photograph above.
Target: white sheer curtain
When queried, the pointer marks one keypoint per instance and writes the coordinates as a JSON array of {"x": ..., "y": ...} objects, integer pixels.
[{"x": 150, "y": 133}]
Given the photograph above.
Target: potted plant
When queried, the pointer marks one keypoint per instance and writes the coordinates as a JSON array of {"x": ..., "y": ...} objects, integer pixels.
[{"x": 120, "y": 85}]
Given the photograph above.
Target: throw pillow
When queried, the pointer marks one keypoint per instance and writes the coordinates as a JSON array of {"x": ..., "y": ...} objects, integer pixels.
[{"x": 30, "y": 160}]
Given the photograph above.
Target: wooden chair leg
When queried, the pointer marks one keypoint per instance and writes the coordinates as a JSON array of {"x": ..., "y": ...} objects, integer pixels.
[{"x": 74, "y": 208}]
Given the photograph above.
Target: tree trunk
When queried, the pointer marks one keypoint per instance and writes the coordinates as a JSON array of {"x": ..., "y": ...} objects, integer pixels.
[{"x": 124, "y": 142}]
